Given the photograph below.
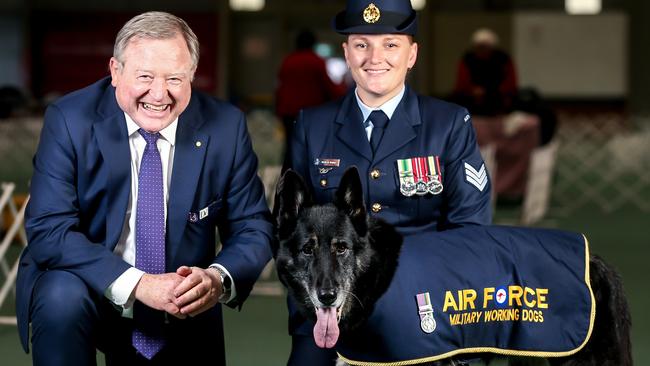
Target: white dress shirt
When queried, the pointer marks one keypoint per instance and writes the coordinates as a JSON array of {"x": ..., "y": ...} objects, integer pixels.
[
  {"x": 121, "y": 291},
  {"x": 388, "y": 108}
]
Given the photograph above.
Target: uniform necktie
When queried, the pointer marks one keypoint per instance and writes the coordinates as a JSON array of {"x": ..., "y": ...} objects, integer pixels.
[
  {"x": 379, "y": 121},
  {"x": 148, "y": 336}
]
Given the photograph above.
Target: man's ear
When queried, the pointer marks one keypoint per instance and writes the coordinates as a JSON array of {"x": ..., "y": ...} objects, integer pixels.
[
  {"x": 349, "y": 199},
  {"x": 115, "y": 67},
  {"x": 291, "y": 198}
]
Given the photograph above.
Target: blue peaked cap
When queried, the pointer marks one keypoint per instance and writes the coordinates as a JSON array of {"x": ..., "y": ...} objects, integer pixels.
[{"x": 376, "y": 17}]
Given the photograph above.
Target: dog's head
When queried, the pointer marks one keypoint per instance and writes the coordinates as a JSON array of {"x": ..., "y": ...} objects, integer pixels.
[{"x": 335, "y": 260}]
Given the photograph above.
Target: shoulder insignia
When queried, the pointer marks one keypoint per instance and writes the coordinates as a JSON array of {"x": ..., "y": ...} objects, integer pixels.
[{"x": 477, "y": 178}]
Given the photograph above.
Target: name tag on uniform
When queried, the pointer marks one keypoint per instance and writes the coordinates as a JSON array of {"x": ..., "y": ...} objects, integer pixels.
[{"x": 325, "y": 165}]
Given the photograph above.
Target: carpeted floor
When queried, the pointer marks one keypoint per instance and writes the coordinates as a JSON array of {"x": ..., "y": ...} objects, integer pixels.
[{"x": 257, "y": 335}]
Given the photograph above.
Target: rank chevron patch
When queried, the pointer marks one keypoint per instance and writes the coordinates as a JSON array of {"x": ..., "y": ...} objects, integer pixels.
[{"x": 476, "y": 178}]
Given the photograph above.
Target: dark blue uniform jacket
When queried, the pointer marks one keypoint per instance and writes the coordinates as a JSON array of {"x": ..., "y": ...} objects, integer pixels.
[{"x": 330, "y": 138}]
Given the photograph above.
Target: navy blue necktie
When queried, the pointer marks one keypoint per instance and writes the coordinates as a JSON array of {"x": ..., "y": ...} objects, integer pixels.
[
  {"x": 148, "y": 338},
  {"x": 379, "y": 121}
]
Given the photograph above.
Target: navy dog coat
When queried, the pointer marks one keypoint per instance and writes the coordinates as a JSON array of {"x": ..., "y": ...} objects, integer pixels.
[{"x": 504, "y": 290}]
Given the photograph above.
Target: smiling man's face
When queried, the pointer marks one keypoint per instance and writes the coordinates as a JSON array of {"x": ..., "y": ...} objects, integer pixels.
[
  {"x": 379, "y": 63},
  {"x": 153, "y": 81}
]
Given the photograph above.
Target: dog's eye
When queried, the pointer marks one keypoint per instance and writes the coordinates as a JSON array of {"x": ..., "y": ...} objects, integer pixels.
[
  {"x": 307, "y": 250},
  {"x": 340, "y": 248}
]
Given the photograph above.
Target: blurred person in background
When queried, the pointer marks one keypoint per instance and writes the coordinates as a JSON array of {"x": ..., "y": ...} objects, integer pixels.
[
  {"x": 132, "y": 176},
  {"x": 302, "y": 82},
  {"x": 486, "y": 84},
  {"x": 417, "y": 156},
  {"x": 12, "y": 100},
  {"x": 486, "y": 81},
  {"x": 529, "y": 100}
]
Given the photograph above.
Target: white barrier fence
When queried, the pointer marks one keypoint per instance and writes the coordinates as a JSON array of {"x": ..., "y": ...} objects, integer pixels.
[
  {"x": 603, "y": 163},
  {"x": 14, "y": 234}
]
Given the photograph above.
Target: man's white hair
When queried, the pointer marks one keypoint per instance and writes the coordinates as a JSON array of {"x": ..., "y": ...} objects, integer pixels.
[{"x": 156, "y": 25}]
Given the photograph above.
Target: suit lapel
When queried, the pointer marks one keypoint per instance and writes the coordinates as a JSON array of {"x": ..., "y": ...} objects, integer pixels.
[
  {"x": 113, "y": 142},
  {"x": 351, "y": 131},
  {"x": 189, "y": 156},
  {"x": 401, "y": 128}
]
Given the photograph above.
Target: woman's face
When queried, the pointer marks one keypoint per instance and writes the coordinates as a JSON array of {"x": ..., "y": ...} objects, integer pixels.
[{"x": 379, "y": 63}]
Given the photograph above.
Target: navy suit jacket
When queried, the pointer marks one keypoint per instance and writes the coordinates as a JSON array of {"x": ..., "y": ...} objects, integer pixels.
[
  {"x": 420, "y": 127},
  {"x": 81, "y": 186}
]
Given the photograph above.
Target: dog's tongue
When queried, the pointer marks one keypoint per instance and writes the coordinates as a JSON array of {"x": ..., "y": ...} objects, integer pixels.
[{"x": 326, "y": 331}]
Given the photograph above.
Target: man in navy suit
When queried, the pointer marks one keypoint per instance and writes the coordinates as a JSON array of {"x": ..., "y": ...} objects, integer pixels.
[
  {"x": 132, "y": 176},
  {"x": 420, "y": 167}
]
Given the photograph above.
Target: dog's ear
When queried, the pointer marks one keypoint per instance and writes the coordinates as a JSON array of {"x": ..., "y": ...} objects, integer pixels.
[
  {"x": 349, "y": 198},
  {"x": 290, "y": 198}
]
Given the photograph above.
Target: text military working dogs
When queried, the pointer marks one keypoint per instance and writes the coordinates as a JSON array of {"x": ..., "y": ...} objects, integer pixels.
[{"x": 337, "y": 262}]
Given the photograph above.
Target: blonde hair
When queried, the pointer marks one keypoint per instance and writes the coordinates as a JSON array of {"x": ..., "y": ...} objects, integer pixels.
[{"x": 156, "y": 25}]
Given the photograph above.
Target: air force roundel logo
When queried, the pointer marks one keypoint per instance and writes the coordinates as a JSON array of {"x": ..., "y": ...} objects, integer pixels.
[{"x": 501, "y": 296}]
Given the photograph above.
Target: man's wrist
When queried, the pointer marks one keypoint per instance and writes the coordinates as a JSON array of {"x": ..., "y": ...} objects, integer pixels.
[
  {"x": 226, "y": 283},
  {"x": 122, "y": 291}
]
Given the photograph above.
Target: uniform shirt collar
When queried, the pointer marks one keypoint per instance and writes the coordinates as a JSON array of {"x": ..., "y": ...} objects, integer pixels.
[
  {"x": 168, "y": 133},
  {"x": 388, "y": 107}
]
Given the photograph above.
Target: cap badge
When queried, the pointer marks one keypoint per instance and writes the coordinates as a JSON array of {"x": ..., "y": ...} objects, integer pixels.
[{"x": 371, "y": 14}]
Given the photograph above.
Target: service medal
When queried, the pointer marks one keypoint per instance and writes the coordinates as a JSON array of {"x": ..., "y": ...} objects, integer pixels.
[
  {"x": 428, "y": 324},
  {"x": 406, "y": 179},
  {"x": 434, "y": 185},
  {"x": 421, "y": 188},
  {"x": 420, "y": 176},
  {"x": 425, "y": 310}
]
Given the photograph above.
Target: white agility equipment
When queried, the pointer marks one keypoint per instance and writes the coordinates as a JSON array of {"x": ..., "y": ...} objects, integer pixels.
[{"x": 15, "y": 230}]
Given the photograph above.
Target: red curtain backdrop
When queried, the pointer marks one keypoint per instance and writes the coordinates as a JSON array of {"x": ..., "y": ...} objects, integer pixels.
[{"x": 71, "y": 50}]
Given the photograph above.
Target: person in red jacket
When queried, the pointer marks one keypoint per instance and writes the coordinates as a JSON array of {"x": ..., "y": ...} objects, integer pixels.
[
  {"x": 303, "y": 82},
  {"x": 487, "y": 81}
]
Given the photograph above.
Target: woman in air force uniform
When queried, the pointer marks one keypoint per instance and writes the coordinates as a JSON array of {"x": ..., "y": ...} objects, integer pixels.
[{"x": 417, "y": 156}]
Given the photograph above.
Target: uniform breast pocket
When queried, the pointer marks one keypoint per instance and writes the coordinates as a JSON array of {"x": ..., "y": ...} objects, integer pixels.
[
  {"x": 206, "y": 214},
  {"x": 325, "y": 182}
]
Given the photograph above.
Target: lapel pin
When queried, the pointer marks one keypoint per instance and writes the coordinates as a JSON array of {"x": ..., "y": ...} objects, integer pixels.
[
  {"x": 203, "y": 213},
  {"x": 198, "y": 144}
]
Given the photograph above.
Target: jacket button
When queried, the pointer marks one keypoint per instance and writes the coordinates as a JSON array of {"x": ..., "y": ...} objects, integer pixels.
[
  {"x": 376, "y": 207},
  {"x": 375, "y": 174},
  {"x": 323, "y": 182}
]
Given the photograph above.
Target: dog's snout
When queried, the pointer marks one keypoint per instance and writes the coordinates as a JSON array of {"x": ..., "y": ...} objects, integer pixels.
[{"x": 327, "y": 296}]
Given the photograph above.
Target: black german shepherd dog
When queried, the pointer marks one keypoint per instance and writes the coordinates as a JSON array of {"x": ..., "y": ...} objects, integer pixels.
[{"x": 336, "y": 261}]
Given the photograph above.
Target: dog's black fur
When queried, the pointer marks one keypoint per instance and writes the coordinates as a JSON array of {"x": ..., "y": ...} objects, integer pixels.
[
  {"x": 334, "y": 250},
  {"x": 335, "y": 255}
]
